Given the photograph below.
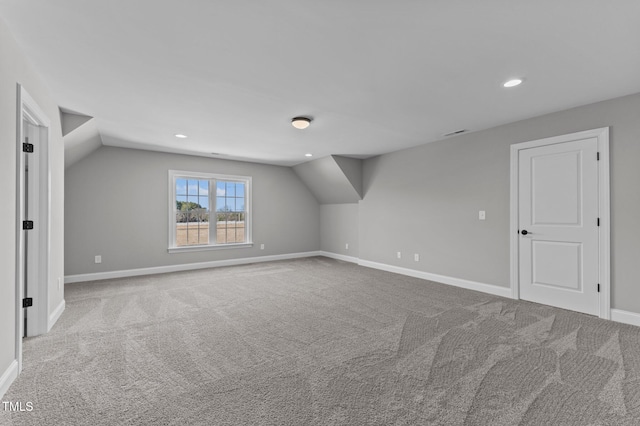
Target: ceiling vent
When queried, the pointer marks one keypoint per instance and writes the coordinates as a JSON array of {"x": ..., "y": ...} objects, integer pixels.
[{"x": 457, "y": 132}]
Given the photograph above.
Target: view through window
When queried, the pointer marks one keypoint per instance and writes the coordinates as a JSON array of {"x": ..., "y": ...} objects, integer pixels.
[{"x": 209, "y": 210}]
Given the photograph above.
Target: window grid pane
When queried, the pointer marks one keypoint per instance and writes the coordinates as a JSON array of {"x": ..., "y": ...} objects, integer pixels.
[
  {"x": 192, "y": 212},
  {"x": 230, "y": 212}
]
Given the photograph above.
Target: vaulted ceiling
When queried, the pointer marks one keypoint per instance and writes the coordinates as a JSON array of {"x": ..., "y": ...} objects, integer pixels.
[{"x": 375, "y": 75}]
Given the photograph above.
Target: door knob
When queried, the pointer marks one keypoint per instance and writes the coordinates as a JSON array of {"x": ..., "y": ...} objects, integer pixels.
[{"x": 524, "y": 232}]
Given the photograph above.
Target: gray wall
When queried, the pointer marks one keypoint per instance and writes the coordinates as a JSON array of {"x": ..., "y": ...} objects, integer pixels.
[
  {"x": 339, "y": 225},
  {"x": 352, "y": 169},
  {"x": 14, "y": 69},
  {"x": 329, "y": 181},
  {"x": 426, "y": 199},
  {"x": 117, "y": 200}
]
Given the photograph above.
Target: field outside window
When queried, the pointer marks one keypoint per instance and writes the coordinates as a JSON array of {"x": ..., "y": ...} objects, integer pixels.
[{"x": 209, "y": 211}]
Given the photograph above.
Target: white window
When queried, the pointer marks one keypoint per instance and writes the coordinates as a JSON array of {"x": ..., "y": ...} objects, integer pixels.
[{"x": 208, "y": 211}]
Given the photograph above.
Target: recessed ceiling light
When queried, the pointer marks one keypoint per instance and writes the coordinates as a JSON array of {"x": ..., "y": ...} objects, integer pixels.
[
  {"x": 308, "y": 155},
  {"x": 300, "y": 122},
  {"x": 513, "y": 83},
  {"x": 180, "y": 135}
]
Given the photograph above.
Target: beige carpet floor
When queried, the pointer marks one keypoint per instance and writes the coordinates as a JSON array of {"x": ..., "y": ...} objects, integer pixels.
[{"x": 321, "y": 342}]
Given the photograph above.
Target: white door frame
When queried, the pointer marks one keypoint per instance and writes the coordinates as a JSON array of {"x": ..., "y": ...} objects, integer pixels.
[
  {"x": 28, "y": 109},
  {"x": 604, "y": 231}
]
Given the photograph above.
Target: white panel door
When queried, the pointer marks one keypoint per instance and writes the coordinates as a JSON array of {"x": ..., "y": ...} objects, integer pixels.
[{"x": 558, "y": 214}]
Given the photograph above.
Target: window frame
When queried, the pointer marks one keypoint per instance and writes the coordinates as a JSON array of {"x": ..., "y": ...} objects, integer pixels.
[{"x": 213, "y": 179}]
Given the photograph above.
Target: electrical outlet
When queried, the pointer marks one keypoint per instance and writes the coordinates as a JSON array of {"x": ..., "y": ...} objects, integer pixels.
[
  {"x": 399, "y": 255},
  {"x": 98, "y": 259},
  {"x": 346, "y": 246},
  {"x": 416, "y": 257},
  {"x": 481, "y": 215},
  {"x": 261, "y": 246}
]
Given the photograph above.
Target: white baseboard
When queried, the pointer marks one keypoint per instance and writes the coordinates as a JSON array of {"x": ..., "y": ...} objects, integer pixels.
[
  {"x": 458, "y": 282},
  {"x": 183, "y": 267},
  {"x": 8, "y": 377},
  {"x": 339, "y": 256},
  {"x": 55, "y": 315},
  {"x": 625, "y": 317}
]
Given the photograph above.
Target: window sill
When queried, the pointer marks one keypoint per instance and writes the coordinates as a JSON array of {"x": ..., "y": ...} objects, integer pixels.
[{"x": 207, "y": 248}]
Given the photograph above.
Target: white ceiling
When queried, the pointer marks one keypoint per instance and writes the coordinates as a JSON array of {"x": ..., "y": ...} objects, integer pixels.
[{"x": 375, "y": 75}]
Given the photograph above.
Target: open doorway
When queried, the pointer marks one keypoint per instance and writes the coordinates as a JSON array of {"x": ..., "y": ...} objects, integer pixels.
[{"x": 33, "y": 215}]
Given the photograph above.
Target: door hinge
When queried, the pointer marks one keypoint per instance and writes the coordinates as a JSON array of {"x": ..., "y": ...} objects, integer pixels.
[
  {"x": 598, "y": 156},
  {"x": 27, "y": 147},
  {"x": 27, "y": 224},
  {"x": 598, "y": 287},
  {"x": 27, "y": 301},
  {"x": 598, "y": 221}
]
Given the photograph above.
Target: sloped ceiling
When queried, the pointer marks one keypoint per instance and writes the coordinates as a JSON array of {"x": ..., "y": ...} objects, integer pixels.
[
  {"x": 333, "y": 179},
  {"x": 352, "y": 169},
  {"x": 81, "y": 136},
  {"x": 375, "y": 75},
  {"x": 71, "y": 121}
]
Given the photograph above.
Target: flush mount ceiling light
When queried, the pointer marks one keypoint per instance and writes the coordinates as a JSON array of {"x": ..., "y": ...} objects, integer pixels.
[
  {"x": 513, "y": 82},
  {"x": 308, "y": 155},
  {"x": 180, "y": 136},
  {"x": 300, "y": 122}
]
